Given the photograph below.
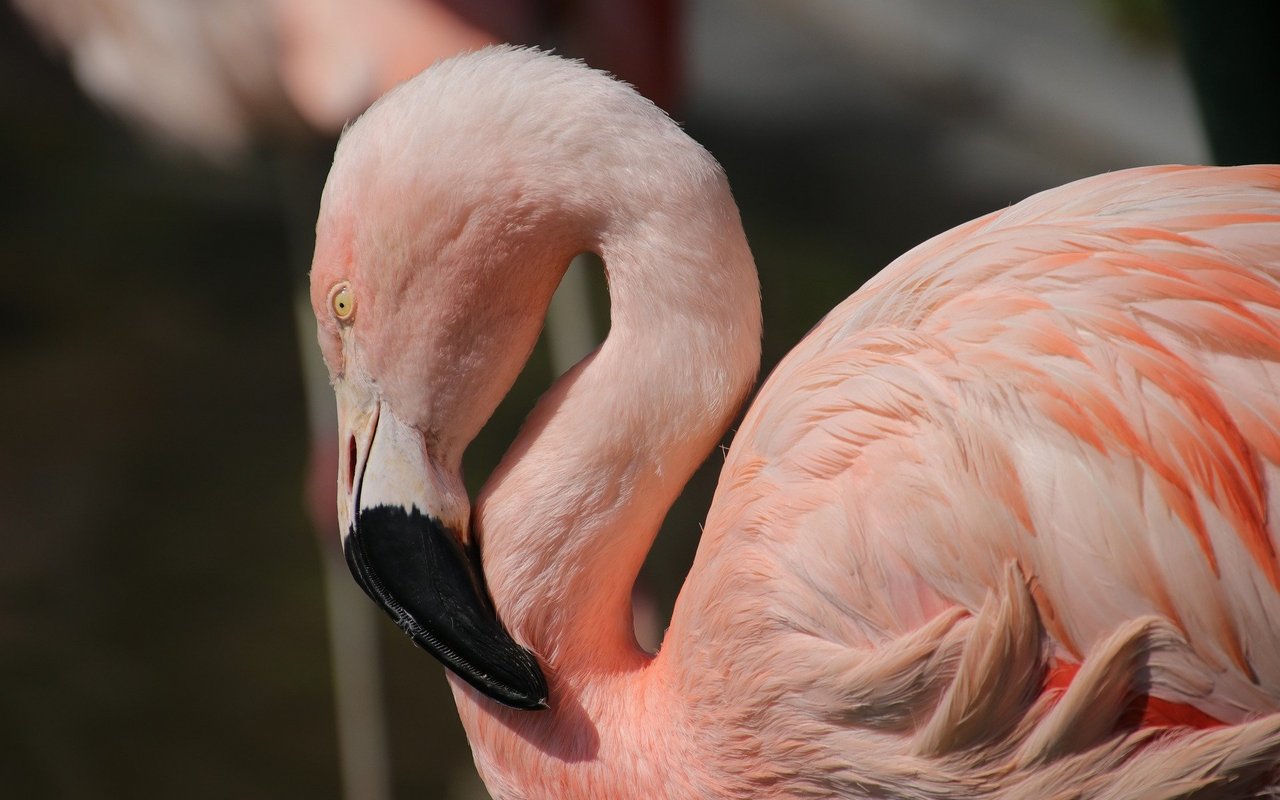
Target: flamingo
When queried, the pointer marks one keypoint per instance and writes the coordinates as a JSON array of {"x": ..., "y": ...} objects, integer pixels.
[
  {"x": 286, "y": 72},
  {"x": 1000, "y": 526}
]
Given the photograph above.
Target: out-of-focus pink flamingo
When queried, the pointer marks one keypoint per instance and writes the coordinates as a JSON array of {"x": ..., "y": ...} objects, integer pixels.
[
  {"x": 1000, "y": 526},
  {"x": 337, "y": 56},
  {"x": 215, "y": 75}
]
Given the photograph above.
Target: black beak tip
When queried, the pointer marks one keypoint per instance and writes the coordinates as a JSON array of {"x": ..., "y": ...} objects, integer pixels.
[
  {"x": 512, "y": 697},
  {"x": 417, "y": 571},
  {"x": 507, "y": 673}
]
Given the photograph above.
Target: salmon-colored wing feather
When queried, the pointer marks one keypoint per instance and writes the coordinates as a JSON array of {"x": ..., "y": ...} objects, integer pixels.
[{"x": 1083, "y": 385}]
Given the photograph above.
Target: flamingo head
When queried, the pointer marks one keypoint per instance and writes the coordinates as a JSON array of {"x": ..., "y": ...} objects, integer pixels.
[{"x": 438, "y": 248}]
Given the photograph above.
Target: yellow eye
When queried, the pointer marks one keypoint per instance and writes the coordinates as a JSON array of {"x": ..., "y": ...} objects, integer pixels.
[{"x": 343, "y": 302}]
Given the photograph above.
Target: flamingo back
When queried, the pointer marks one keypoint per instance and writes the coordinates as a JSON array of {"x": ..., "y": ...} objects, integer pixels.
[{"x": 1039, "y": 454}]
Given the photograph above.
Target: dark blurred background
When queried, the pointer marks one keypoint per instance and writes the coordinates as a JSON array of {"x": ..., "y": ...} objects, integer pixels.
[{"x": 162, "y": 610}]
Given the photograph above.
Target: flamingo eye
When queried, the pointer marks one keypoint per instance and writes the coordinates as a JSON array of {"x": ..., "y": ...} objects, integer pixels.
[{"x": 343, "y": 301}]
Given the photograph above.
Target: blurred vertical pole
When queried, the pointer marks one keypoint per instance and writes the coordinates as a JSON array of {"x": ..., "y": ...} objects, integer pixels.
[
  {"x": 203, "y": 75},
  {"x": 359, "y": 710},
  {"x": 571, "y": 333},
  {"x": 1232, "y": 52},
  {"x": 353, "y": 635}
]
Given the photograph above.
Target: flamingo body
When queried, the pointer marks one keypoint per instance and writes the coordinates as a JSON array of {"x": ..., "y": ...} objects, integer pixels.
[
  {"x": 1082, "y": 383},
  {"x": 1000, "y": 526}
]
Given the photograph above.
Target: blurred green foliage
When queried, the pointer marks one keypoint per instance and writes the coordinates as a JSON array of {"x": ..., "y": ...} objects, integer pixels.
[{"x": 1145, "y": 21}]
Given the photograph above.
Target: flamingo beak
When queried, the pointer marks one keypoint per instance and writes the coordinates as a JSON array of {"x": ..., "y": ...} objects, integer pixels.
[{"x": 401, "y": 518}]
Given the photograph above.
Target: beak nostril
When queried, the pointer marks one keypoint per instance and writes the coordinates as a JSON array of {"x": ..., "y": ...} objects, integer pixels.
[{"x": 351, "y": 464}]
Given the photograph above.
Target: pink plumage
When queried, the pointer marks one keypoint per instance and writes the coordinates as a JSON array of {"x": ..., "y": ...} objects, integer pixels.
[{"x": 1000, "y": 526}]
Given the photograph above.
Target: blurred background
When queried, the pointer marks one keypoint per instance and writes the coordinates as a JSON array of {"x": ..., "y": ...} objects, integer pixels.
[{"x": 167, "y": 628}]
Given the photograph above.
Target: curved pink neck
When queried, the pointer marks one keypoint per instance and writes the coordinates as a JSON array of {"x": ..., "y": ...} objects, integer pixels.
[{"x": 567, "y": 518}]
